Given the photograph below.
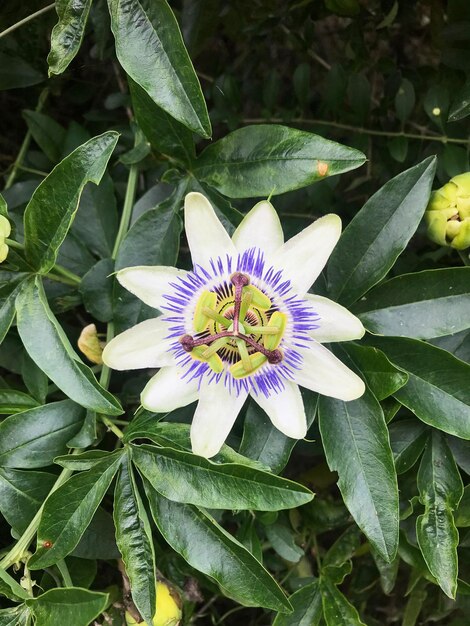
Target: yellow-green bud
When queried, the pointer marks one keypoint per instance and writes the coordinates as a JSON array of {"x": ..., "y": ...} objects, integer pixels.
[
  {"x": 448, "y": 213},
  {"x": 5, "y": 230},
  {"x": 168, "y": 609}
]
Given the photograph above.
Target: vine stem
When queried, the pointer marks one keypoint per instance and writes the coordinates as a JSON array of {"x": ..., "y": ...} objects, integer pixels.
[
  {"x": 26, "y": 141},
  {"x": 123, "y": 228},
  {"x": 21, "y": 546},
  {"x": 359, "y": 129},
  {"x": 64, "y": 275},
  {"x": 26, "y": 19}
]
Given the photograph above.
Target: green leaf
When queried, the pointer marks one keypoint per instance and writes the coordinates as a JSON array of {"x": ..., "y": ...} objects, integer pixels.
[
  {"x": 153, "y": 239},
  {"x": 269, "y": 159},
  {"x": 134, "y": 540},
  {"x": 462, "y": 514},
  {"x": 67, "y": 34},
  {"x": 33, "y": 438},
  {"x": 15, "y": 616},
  {"x": 82, "y": 462},
  {"x": 437, "y": 390},
  {"x": 72, "y": 606},
  {"x": 337, "y": 611},
  {"x": 13, "y": 401},
  {"x": 47, "y": 133},
  {"x": 150, "y": 48},
  {"x": 460, "y": 107},
  {"x": 98, "y": 541},
  {"x": 380, "y": 231},
  {"x": 96, "y": 221},
  {"x": 356, "y": 442},
  {"x": 422, "y": 305},
  {"x": 49, "y": 347},
  {"x": 222, "y": 558},
  {"x": 96, "y": 288},
  {"x": 69, "y": 510},
  {"x": 307, "y": 606},
  {"x": 282, "y": 540},
  {"x": 21, "y": 495},
  {"x": 175, "y": 435},
  {"x": 407, "y": 439},
  {"x": 166, "y": 135},
  {"x": 440, "y": 491},
  {"x": 51, "y": 210},
  {"x": 264, "y": 442},
  {"x": 381, "y": 376},
  {"x": 185, "y": 477},
  {"x": 16, "y": 72},
  {"x": 8, "y": 293},
  {"x": 405, "y": 99},
  {"x": 387, "y": 571}
]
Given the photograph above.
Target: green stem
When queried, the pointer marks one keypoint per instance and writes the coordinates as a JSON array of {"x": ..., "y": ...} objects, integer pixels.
[
  {"x": 127, "y": 208},
  {"x": 27, "y": 19},
  {"x": 26, "y": 141},
  {"x": 64, "y": 275},
  {"x": 22, "y": 545},
  {"x": 64, "y": 572},
  {"x": 359, "y": 129},
  {"x": 112, "y": 427},
  {"x": 63, "y": 271},
  {"x": 32, "y": 170},
  {"x": 465, "y": 256}
]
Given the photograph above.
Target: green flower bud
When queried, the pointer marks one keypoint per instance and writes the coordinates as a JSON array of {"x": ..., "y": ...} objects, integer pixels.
[
  {"x": 448, "y": 213},
  {"x": 5, "y": 230}
]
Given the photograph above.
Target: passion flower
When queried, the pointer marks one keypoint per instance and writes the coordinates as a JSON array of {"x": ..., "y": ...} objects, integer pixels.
[{"x": 240, "y": 323}]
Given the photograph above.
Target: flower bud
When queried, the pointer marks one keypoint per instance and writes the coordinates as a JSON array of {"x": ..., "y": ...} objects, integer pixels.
[
  {"x": 448, "y": 213},
  {"x": 5, "y": 230}
]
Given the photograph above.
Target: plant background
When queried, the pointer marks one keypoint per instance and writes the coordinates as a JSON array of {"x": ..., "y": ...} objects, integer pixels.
[{"x": 382, "y": 77}]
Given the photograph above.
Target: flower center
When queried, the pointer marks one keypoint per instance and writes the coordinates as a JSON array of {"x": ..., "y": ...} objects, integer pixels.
[{"x": 240, "y": 327}]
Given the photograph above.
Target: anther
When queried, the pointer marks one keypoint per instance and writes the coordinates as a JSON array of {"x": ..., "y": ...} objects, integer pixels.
[
  {"x": 240, "y": 280},
  {"x": 274, "y": 357},
  {"x": 187, "y": 342}
]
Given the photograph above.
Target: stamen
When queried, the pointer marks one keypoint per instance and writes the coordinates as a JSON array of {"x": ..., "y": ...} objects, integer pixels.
[
  {"x": 262, "y": 330},
  {"x": 217, "y": 317},
  {"x": 247, "y": 366},
  {"x": 247, "y": 298},
  {"x": 217, "y": 345}
]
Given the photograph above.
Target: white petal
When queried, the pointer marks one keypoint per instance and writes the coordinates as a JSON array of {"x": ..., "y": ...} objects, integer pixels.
[
  {"x": 206, "y": 236},
  {"x": 149, "y": 283},
  {"x": 166, "y": 391},
  {"x": 323, "y": 372},
  {"x": 285, "y": 410},
  {"x": 336, "y": 323},
  {"x": 143, "y": 345},
  {"x": 304, "y": 256},
  {"x": 215, "y": 415},
  {"x": 260, "y": 228}
]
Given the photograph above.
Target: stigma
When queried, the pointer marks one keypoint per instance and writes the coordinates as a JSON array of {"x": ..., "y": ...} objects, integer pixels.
[{"x": 236, "y": 326}]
